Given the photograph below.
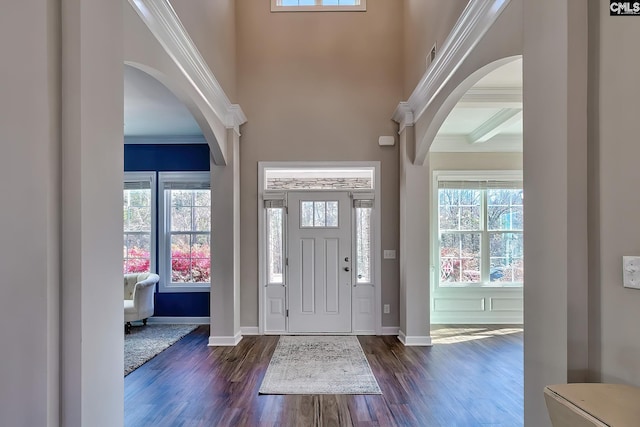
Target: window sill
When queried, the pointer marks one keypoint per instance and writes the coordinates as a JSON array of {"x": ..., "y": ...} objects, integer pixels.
[{"x": 179, "y": 289}]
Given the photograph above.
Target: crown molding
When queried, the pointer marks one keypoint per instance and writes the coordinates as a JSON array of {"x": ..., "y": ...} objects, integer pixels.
[
  {"x": 165, "y": 25},
  {"x": 476, "y": 19}
]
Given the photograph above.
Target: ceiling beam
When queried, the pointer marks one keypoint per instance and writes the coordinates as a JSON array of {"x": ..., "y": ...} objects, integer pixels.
[
  {"x": 460, "y": 144},
  {"x": 496, "y": 124}
]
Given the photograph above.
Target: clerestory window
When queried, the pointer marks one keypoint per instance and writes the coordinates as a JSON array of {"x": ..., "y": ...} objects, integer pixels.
[{"x": 317, "y": 5}]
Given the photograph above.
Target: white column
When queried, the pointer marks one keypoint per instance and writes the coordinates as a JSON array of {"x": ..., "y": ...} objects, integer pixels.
[
  {"x": 30, "y": 214},
  {"x": 225, "y": 247},
  {"x": 92, "y": 171},
  {"x": 555, "y": 188},
  {"x": 414, "y": 244}
]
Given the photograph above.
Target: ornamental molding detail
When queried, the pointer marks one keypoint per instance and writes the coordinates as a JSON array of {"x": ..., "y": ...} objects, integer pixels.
[
  {"x": 474, "y": 22},
  {"x": 164, "y": 24}
]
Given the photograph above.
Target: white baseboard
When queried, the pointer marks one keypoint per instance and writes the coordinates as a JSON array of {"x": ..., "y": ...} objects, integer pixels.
[
  {"x": 180, "y": 320},
  {"x": 249, "y": 330},
  {"x": 225, "y": 341},
  {"x": 390, "y": 330},
  {"x": 414, "y": 341}
]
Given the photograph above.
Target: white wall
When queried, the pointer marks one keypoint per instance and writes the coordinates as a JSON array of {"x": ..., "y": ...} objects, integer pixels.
[
  {"x": 29, "y": 218},
  {"x": 144, "y": 51},
  {"x": 617, "y": 152},
  {"x": 212, "y": 27},
  {"x": 555, "y": 212},
  {"x": 92, "y": 173},
  {"x": 426, "y": 22},
  {"x": 499, "y": 45},
  {"x": 309, "y": 95}
]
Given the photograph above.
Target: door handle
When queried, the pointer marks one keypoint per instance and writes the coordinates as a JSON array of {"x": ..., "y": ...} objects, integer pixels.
[{"x": 347, "y": 269}]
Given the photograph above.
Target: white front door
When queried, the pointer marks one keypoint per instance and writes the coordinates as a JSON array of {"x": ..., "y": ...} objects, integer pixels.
[{"x": 319, "y": 256}]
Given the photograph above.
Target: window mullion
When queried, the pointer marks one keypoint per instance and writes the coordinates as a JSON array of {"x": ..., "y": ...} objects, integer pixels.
[{"x": 484, "y": 246}]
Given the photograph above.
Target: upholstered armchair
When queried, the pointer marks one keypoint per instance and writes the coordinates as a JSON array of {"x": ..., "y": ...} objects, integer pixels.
[{"x": 138, "y": 297}]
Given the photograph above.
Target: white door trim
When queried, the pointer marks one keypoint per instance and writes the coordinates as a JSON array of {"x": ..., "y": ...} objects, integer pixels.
[{"x": 262, "y": 280}]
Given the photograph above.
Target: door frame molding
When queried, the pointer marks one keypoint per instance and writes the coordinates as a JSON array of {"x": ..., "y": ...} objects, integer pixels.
[{"x": 377, "y": 271}]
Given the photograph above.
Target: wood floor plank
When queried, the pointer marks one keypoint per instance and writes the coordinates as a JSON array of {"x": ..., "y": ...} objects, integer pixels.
[{"x": 472, "y": 376}]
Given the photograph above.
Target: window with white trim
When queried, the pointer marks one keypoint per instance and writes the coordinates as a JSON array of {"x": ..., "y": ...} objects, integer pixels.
[
  {"x": 185, "y": 226},
  {"x": 318, "y": 5},
  {"x": 274, "y": 212},
  {"x": 363, "y": 210},
  {"x": 480, "y": 239},
  {"x": 139, "y": 201}
]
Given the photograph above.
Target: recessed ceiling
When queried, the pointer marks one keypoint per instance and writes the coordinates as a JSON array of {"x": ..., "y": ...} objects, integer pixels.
[
  {"x": 488, "y": 118},
  {"x": 153, "y": 111}
]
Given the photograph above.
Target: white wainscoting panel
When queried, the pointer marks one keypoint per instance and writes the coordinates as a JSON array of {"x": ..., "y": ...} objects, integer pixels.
[
  {"x": 441, "y": 305},
  {"x": 364, "y": 316},
  {"x": 506, "y": 304},
  {"x": 275, "y": 315}
]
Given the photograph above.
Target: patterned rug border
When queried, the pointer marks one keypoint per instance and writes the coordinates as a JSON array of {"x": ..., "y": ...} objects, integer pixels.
[{"x": 294, "y": 369}]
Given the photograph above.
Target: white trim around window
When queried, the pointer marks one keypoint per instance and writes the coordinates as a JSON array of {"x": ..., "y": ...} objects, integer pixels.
[
  {"x": 169, "y": 181},
  {"x": 470, "y": 176},
  {"x": 318, "y": 6},
  {"x": 144, "y": 180},
  {"x": 366, "y": 197}
]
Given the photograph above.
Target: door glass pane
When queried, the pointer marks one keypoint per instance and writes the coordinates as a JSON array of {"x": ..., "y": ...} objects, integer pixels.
[
  {"x": 332, "y": 214},
  {"x": 319, "y": 214},
  {"x": 306, "y": 214}
]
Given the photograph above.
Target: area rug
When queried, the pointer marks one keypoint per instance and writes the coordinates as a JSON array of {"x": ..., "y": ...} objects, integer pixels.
[
  {"x": 319, "y": 365},
  {"x": 146, "y": 342}
]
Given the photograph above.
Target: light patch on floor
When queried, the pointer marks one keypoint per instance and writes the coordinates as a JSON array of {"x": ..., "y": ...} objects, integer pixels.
[{"x": 452, "y": 334}]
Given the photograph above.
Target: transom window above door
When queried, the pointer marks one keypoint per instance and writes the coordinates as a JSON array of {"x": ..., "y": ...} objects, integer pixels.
[
  {"x": 318, "y": 5},
  {"x": 279, "y": 179}
]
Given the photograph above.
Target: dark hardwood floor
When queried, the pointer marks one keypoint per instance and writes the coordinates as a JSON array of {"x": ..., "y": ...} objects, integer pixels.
[{"x": 470, "y": 377}]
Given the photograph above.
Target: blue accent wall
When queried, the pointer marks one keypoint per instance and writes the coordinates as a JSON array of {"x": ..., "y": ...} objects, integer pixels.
[{"x": 171, "y": 158}]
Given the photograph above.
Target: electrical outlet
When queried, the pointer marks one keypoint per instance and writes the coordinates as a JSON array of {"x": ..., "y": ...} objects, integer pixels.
[{"x": 386, "y": 309}]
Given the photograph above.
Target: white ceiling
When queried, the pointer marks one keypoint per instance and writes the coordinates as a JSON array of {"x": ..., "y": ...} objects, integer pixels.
[
  {"x": 152, "y": 110},
  {"x": 488, "y": 118}
]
